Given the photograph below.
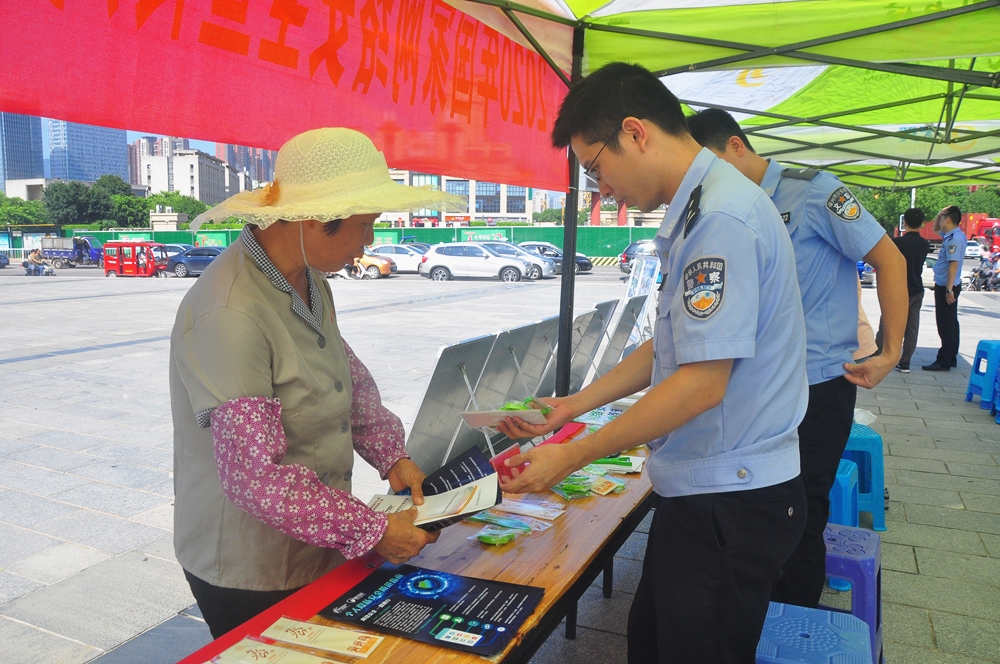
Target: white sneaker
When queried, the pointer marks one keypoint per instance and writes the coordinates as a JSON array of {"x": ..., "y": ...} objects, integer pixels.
[{"x": 903, "y": 368}]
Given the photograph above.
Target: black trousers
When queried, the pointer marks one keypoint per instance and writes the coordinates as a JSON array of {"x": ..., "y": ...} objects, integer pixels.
[
  {"x": 225, "y": 609},
  {"x": 707, "y": 574},
  {"x": 823, "y": 436},
  {"x": 912, "y": 329},
  {"x": 947, "y": 325}
]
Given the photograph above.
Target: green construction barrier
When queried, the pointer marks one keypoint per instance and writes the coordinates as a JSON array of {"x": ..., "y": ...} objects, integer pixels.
[
  {"x": 212, "y": 239},
  {"x": 388, "y": 236},
  {"x": 134, "y": 236},
  {"x": 487, "y": 234}
]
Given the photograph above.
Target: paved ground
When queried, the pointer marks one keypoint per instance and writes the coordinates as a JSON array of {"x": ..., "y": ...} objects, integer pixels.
[{"x": 86, "y": 560}]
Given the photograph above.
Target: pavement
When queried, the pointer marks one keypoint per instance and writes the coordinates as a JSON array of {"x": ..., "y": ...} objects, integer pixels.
[{"x": 86, "y": 558}]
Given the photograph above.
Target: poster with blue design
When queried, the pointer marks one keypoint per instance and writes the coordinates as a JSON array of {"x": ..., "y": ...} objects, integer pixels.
[{"x": 442, "y": 609}]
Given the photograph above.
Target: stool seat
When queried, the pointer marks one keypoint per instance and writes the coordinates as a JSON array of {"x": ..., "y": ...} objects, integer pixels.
[
  {"x": 855, "y": 555},
  {"x": 797, "y": 635},
  {"x": 984, "y": 373},
  {"x": 864, "y": 448}
]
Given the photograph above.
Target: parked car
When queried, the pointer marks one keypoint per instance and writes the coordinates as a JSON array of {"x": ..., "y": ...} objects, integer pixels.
[
  {"x": 134, "y": 258},
  {"x": 973, "y": 249},
  {"x": 376, "y": 266},
  {"x": 174, "y": 249},
  {"x": 866, "y": 273},
  {"x": 406, "y": 256},
  {"x": 541, "y": 267},
  {"x": 549, "y": 250},
  {"x": 4, "y": 260},
  {"x": 411, "y": 241},
  {"x": 194, "y": 261},
  {"x": 442, "y": 262},
  {"x": 625, "y": 260},
  {"x": 927, "y": 274}
]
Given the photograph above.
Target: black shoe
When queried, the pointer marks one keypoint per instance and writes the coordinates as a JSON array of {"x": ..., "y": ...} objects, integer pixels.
[
  {"x": 903, "y": 368},
  {"x": 936, "y": 367}
]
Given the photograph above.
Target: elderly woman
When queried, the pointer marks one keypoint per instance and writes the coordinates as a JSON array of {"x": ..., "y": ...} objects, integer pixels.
[{"x": 270, "y": 403}]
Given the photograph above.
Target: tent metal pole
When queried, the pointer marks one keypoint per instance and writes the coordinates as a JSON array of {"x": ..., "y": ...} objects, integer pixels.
[
  {"x": 564, "y": 352},
  {"x": 828, "y": 116},
  {"x": 534, "y": 43},
  {"x": 958, "y": 106}
]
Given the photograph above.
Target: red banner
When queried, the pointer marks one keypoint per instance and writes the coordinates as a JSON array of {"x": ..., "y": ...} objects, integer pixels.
[{"x": 436, "y": 90}]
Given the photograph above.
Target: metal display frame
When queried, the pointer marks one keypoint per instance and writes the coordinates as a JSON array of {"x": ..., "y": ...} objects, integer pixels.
[
  {"x": 590, "y": 341},
  {"x": 617, "y": 340},
  {"x": 550, "y": 382},
  {"x": 539, "y": 355}
]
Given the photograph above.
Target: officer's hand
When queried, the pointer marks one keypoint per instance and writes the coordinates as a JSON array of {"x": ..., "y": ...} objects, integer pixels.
[
  {"x": 870, "y": 373},
  {"x": 949, "y": 296},
  {"x": 401, "y": 539},
  {"x": 405, "y": 474},
  {"x": 515, "y": 428},
  {"x": 548, "y": 464}
]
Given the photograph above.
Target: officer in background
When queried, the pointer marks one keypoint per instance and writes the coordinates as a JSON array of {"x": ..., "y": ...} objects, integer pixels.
[
  {"x": 830, "y": 232},
  {"x": 947, "y": 286},
  {"x": 726, "y": 366}
]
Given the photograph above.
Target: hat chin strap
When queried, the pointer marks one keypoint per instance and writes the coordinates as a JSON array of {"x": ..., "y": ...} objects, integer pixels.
[{"x": 302, "y": 245}]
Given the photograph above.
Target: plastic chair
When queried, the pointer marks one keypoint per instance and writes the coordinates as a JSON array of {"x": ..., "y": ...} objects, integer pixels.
[
  {"x": 855, "y": 554},
  {"x": 984, "y": 373},
  {"x": 795, "y": 634},
  {"x": 844, "y": 505},
  {"x": 864, "y": 448},
  {"x": 996, "y": 400}
]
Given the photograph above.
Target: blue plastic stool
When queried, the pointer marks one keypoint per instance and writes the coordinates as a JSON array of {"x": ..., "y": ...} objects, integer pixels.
[
  {"x": 864, "y": 448},
  {"x": 844, "y": 506},
  {"x": 984, "y": 373},
  {"x": 856, "y": 554},
  {"x": 797, "y": 635},
  {"x": 996, "y": 398}
]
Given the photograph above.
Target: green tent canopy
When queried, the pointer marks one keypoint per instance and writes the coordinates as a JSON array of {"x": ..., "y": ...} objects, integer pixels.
[{"x": 884, "y": 94}]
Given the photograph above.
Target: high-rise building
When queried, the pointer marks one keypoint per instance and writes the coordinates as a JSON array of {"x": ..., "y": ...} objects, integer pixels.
[
  {"x": 85, "y": 152},
  {"x": 258, "y": 162},
  {"x": 190, "y": 173},
  {"x": 20, "y": 148}
]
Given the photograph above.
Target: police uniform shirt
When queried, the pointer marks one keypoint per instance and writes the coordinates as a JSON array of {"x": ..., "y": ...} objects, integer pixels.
[
  {"x": 952, "y": 250},
  {"x": 830, "y": 232},
  {"x": 729, "y": 292}
]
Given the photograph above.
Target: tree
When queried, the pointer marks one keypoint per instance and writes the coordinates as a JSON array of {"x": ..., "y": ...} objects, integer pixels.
[
  {"x": 67, "y": 202},
  {"x": 192, "y": 207},
  {"x": 15, "y": 211},
  {"x": 549, "y": 216},
  {"x": 884, "y": 204},
  {"x": 112, "y": 185},
  {"x": 129, "y": 211}
]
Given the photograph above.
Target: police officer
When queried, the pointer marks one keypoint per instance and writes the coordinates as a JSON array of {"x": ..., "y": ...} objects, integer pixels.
[
  {"x": 726, "y": 370},
  {"x": 831, "y": 232},
  {"x": 947, "y": 286}
]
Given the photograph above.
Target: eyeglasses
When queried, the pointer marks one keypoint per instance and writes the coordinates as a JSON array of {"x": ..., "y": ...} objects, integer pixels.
[{"x": 590, "y": 171}]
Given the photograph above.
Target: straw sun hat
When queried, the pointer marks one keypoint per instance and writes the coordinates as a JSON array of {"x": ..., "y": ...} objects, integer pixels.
[{"x": 326, "y": 174}]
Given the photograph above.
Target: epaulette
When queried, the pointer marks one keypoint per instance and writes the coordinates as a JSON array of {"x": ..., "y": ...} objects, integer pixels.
[
  {"x": 800, "y": 173},
  {"x": 692, "y": 210}
]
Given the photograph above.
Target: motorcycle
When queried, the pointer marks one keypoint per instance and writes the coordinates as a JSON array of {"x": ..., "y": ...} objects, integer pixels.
[
  {"x": 31, "y": 270},
  {"x": 979, "y": 277}
]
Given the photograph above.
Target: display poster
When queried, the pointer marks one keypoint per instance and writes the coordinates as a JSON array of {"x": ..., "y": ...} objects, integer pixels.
[{"x": 473, "y": 615}]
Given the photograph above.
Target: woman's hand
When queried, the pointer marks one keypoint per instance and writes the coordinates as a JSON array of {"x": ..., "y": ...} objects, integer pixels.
[
  {"x": 405, "y": 474},
  {"x": 401, "y": 539},
  {"x": 516, "y": 428}
]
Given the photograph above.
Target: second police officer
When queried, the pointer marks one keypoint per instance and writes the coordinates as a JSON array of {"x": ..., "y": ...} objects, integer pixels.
[{"x": 830, "y": 232}]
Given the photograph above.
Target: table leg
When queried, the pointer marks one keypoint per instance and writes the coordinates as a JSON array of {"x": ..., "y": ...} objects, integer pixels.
[
  {"x": 571, "y": 621},
  {"x": 609, "y": 578}
]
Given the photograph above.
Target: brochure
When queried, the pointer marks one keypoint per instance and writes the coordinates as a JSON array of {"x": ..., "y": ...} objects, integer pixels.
[
  {"x": 321, "y": 637},
  {"x": 473, "y": 615}
]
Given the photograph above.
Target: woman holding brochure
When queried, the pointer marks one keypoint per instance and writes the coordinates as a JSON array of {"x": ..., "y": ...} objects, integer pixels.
[{"x": 269, "y": 403}]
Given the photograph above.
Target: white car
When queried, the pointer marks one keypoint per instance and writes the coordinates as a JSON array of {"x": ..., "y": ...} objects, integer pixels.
[
  {"x": 927, "y": 275},
  {"x": 442, "y": 262},
  {"x": 406, "y": 256},
  {"x": 973, "y": 250},
  {"x": 541, "y": 267}
]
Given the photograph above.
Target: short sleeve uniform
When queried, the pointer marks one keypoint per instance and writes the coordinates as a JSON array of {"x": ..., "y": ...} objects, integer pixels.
[
  {"x": 729, "y": 292},
  {"x": 952, "y": 250},
  {"x": 830, "y": 232}
]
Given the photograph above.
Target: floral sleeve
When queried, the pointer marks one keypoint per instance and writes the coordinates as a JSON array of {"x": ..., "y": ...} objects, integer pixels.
[
  {"x": 377, "y": 433},
  {"x": 249, "y": 446}
]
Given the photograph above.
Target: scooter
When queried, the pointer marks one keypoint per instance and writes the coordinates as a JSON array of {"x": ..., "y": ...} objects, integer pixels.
[
  {"x": 32, "y": 270},
  {"x": 979, "y": 277}
]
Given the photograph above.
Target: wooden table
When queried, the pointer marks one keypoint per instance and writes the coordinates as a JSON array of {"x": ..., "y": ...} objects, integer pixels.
[{"x": 564, "y": 560}]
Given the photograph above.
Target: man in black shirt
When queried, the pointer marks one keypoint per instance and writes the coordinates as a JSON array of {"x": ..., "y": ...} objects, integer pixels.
[{"x": 914, "y": 249}]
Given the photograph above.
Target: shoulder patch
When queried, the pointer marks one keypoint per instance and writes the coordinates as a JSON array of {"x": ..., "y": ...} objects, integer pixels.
[
  {"x": 843, "y": 204},
  {"x": 951, "y": 249},
  {"x": 704, "y": 283},
  {"x": 800, "y": 173}
]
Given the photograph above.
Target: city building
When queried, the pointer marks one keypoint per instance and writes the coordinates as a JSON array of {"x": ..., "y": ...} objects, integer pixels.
[
  {"x": 190, "y": 173},
  {"x": 85, "y": 152},
  {"x": 491, "y": 202},
  {"x": 20, "y": 148},
  {"x": 258, "y": 162},
  {"x": 152, "y": 146},
  {"x": 31, "y": 189}
]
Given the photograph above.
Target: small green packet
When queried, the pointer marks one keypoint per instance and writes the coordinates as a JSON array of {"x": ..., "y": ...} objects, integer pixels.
[
  {"x": 501, "y": 522},
  {"x": 495, "y": 535},
  {"x": 528, "y": 403}
]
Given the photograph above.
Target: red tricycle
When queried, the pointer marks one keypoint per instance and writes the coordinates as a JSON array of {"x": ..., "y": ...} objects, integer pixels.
[{"x": 127, "y": 258}]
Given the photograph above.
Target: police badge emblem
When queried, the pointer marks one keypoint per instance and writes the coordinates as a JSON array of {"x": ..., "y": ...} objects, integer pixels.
[
  {"x": 843, "y": 204},
  {"x": 704, "y": 282},
  {"x": 951, "y": 249}
]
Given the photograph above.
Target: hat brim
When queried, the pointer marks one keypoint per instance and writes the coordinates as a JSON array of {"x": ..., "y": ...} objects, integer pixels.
[{"x": 389, "y": 196}]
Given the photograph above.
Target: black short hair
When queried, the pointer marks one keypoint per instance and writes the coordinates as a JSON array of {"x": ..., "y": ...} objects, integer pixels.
[
  {"x": 713, "y": 128},
  {"x": 913, "y": 218},
  {"x": 953, "y": 213},
  {"x": 598, "y": 104}
]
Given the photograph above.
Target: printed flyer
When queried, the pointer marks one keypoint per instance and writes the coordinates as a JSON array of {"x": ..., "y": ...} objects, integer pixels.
[{"x": 473, "y": 615}]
